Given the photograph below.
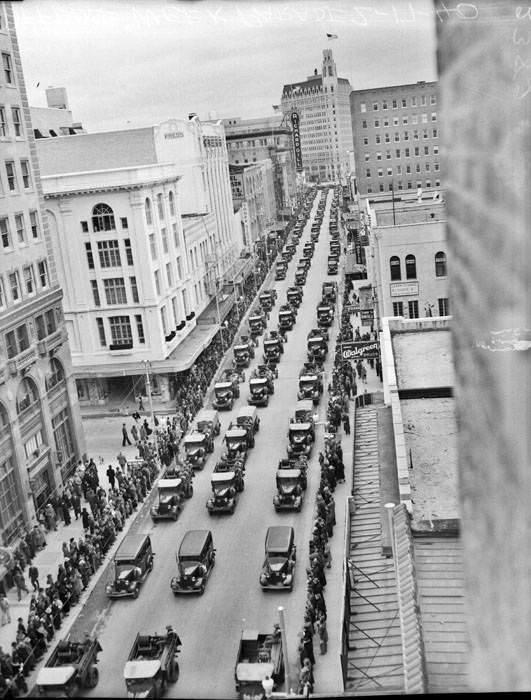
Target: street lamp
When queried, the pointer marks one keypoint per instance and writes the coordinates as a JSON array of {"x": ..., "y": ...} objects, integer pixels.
[{"x": 147, "y": 366}]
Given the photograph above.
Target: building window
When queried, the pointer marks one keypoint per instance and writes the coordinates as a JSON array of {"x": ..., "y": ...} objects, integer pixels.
[
  {"x": 115, "y": 291},
  {"x": 415, "y": 135},
  {"x": 103, "y": 218},
  {"x": 417, "y": 168},
  {"x": 434, "y": 116},
  {"x": 17, "y": 123},
  {"x": 404, "y": 121},
  {"x": 413, "y": 101},
  {"x": 419, "y": 183},
  {"x": 444, "y": 309},
  {"x": 160, "y": 207},
  {"x": 384, "y": 104},
  {"x": 408, "y": 169},
  {"x": 17, "y": 341},
  {"x": 388, "y": 155},
  {"x": 411, "y": 267},
  {"x": 14, "y": 285},
  {"x": 11, "y": 175},
  {"x": 121, "y": 330},
  {"x": 424, "y": 133},
  {"x": 363, "y": 106},
  {"x": 42, "y": 268},
  {"x": 364, "y": 124},
  {"x": 424, "y": 119},
  {"x": 171, "y": 201},
  {"x": 57, "y": 374},
  {"x": 427, "y": 166},
  {"x": 428, "y": 183},
  {"x": 369, "y": 189},
  {"x": 381, "y": 187},
  {"x": 423, "y": 100},
  {"x": 152, "y": 246},
  {"x": 34, "y": 223},
  {"x": 29, "y": 279},
  {"x": 84, "y": 226},
  {"x": 147, "y": 209},
  {"x": 157, "y": 282},
  {"x": 387, "y": 138},
  {"x": 434, "y": 133},
  {"x": 367, "y": 173},
  {"x": 128, "y": 251},
  {"x": 20, "y": 228},
  {"x": 433, "y": 99},
  {"x": 140, "y": 329},
  {"x": 399, "y": 170},
  {"x": 377, "y": 138},
  {"x": 175, "y": 231},
  {"x": 380, "y": 172},
  {"x": 414, "y": 119},
  {"x": 397, "y": 153},
  {"x": 123, "y": 222},
  {"x": 134, "y": 289},
  {"x": 394, "y": 266},
  {"x": 397, "y": 137},
  {"x": 436, "y": 167},
  {"x": 3, "y": 300},
  {"x": 395, "y": 121},
  {"x": 367, "y": 157},
  {"x": 32, "y": 445},
  {"x": 426, "y": 150},
  {"x": 5, "y": 233},
  {"x": 386, "y": 122},
  {"x": 400, "y": 185},
  {"x": 164, "y": 320},
  {"x": 169, "y": 274},
  {"x": 8, "y": 69},
  {"x": 437, "y": 183},
  {"x": 404, "y": 102},
  {"x": 398, "y": 308},
  {"x": 440, "y": 264},
  {"x": 365, "y": 141},
  {"x": 389, "y": 171},
  {"x": 413, "y": 309},
  {"x": 406, "y": 135},
  {"x": 27, "y": 394},
  {"x": 101, "y": 331},
  {"x": 3, "y": 122},
  {"x": 95, "y": 292},
  {"x": 375, "y": 106},
  {"x": 164, "y": 236},
  {"x": 179, "y": 268},
  {"x": 417, "y": 151},
  {"x": 109, "y": 253},
  {"x": 436, "y": 150},
  {"x": 395, "y": 105},
  {"x": 90, "y": 257},
  {"x": 406, "y": 151}
]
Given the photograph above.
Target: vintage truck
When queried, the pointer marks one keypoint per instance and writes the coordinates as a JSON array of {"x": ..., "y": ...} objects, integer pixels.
[
  {"x": 71, "y": 666},
  {"x": 152, "y": 664},
  {"x": 259, "y": 655}
]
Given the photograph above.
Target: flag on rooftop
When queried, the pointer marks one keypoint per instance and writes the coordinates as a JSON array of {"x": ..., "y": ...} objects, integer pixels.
[{"x": 331, "y": 36}]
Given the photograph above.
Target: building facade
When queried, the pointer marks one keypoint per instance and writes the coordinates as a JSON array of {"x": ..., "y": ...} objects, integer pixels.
[
  {"x": 253, "y": 187},
  {"x": 323, "y": 104},
  {"x": 253, "y": 140},
  {"x": 55, "y": 119},
  {"x": 41, "y": 437},
  {"x": 141, "y": 220},
  {"x": 407, "y": 261},
  {"x": 396, "y": 137}
]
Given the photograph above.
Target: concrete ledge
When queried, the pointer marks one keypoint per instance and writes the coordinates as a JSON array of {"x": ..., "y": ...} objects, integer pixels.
[{"x": 389, "y": 486}]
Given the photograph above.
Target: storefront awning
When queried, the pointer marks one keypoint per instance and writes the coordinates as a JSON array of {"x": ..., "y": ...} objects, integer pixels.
[
  {"x": 226, "y": 301},
  {"x": 185, "y": 354}
]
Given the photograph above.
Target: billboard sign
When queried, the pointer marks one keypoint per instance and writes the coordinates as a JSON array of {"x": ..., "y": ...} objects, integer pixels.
[
  {"x": 366, "y": 317},
  {"x": 295, "y": 122},
  {"x": 360, "y": 350}
]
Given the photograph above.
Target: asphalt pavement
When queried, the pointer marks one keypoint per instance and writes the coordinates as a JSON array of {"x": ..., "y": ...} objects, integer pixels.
[{"x": 210, "y": 625}]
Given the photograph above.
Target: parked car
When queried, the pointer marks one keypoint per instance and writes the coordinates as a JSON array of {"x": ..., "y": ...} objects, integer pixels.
[
  {"x": 207, "y": 421},
  {"x": 195, "y": 560},
  {"x": 300, "y": 439},
  {"x": 196, "y": 445},
  {"x": 310, "y": 387},
  {"x": 248, "y": 417},
  {"x": 280, "y": 556},
  {"x": 132, "y": 563}
]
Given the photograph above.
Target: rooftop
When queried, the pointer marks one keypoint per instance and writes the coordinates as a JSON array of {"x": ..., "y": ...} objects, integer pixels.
[
  {"x": 423, "y": 359},
  {"x": 419, "y": 84}
]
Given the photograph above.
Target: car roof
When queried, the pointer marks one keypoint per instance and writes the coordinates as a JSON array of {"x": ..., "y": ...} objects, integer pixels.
[
  {"x": 289, "y": 473},
  {"x": 299, "y": 426},
  {"x": 169, "y": 483},
  {"x": 141, "y": 668},
  {"x": 195, "y": 437},
  {"x": 221, "y": 476},
  {"x": 308, "y": 377},
  {"x": 193, "y": 542},
  {"x": 279, "y": 536},
  {"x": 223, "y": 385},
  {"x": 247, "y": 411},
  {"x": 257, "y": 380},
  {"x": 304, "y": 405},
  {"x": 206, "y": 414},
  {"x": 235, "y": 432},
  {"x": 241, "y": 347},
  {"x": 55, "y": 675},
  {"x": 130, "y": 546}
]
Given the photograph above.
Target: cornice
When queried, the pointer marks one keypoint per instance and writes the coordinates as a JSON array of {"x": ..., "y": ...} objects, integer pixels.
[{"x": 129, "y": 187}]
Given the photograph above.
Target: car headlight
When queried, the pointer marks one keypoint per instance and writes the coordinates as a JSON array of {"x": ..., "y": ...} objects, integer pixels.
[{"x": 108, "y": 588}]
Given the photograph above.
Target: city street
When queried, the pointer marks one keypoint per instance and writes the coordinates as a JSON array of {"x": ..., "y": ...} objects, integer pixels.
[{"x": 210, "y": 625}]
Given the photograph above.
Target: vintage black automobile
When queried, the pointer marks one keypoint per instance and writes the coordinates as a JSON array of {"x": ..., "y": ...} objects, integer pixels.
[
  {"x": 258, "y": 391},
  {"x": 236, "y": 466},
  {"x": 242, "y": 355},
  {"x": 237, "y": 441},
  {"x": 196, "y": 445},
  {"x": 289, "y": 495},
  {"x": 294, "y": 296},
  {"x": 223, "y": 395},
  {"x": 257, "y": 325},
  {"x": 304, "y": 413},
  {"x": 268, "y": 298},
  {"x": 332, "y": 265},
  {"x": 264, "y": 371},
  {"x": 317, "y": 348},
  {"x": 168, "y": 504},
  {"x": 248, "y": 418},
  {"x": 195, "y": 560},
  {"x": 272, "y": 350},
  {"x": 281, "y": 268},
  {"x": 329, "y": 292},
  {"x": 304, "y": 263},
  {"x": 300, "y": 439},
  {"x": 325, "y": 315},
  {"x": 132, "y": 563},
  {"x": 280, "y": 556},
  {"x": 236, "y": 376},
  {"x": 314, "y": 236},
  {"x": 300, "y": 277},
  {"x": 286, "y": 318},
  {"x": 224, "y": 493},
  {"x": 310, "y": 387},
  {"x": 207, "y": 421},
  {"x": 335, "y": 248},
  {"x": 299, "y": 462}
]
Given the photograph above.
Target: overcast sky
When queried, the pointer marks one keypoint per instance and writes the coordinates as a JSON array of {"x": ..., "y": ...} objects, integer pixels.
[{"x": 137, "y": 62}]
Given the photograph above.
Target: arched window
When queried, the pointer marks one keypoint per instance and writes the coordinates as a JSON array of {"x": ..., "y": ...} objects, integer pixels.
[
  {"x": 160, "y": 207},
  {"x": 394, "y": 264},
  {"x": 171, "y": 200},
  {"x": 440, "y": 264},
  {"x": 103, "y": 218},
  {"x": 27, "y": 394},
  {"x": 411, "y": 267},
  {"x": 56, "y": 375},
  {"x": 147, "y": 207}
]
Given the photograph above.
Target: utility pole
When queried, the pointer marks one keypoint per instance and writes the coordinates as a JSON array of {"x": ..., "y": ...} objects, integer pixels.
[{"x": 147, "y": 365}]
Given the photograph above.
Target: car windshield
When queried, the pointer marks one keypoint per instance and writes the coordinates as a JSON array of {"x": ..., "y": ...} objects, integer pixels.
[
  {"x": 315, "y": 341},
  {"x": 307, "y": 383},
  {"x": 221, "y": 487},
  {"x": 139, "y": 685},
  {"x": 234, "y": 442},
  {"x": 222, "y": 390},
  {"x": 287, "y": 484}
]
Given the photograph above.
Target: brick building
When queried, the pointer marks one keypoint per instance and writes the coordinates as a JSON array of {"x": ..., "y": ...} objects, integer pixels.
[{"x": 396, "y": 137}]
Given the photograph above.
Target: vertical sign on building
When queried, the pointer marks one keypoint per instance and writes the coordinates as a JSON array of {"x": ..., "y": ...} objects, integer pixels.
[{"x": 296, "y": 140}]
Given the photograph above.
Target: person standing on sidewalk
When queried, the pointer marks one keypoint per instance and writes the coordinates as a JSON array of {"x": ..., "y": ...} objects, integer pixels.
[
  {"x": 346, "y": 423},
  {"x": 111, "y": 475},
  {"x": 323, "y": 635},
  {"x": 4, "y": 610},
  {"x": 33, "y": 573},
  {"x": 125, "y": 436},
  {"x": 134, "y": 432},
  {"x": 20, "y": 583}
]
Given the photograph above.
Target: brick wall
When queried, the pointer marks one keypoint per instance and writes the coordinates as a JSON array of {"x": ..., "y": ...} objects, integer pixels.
[{"x": 486, "y": 98}]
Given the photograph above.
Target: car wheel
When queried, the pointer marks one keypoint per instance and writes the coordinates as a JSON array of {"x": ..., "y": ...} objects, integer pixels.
[
  {"x": 202, "y": 589},
  {"x": 251, "y": 443},
  {"x": 92, "y": 678},
  {"x": 135, "y": 593},
  {"x": 175, "y": 514}
]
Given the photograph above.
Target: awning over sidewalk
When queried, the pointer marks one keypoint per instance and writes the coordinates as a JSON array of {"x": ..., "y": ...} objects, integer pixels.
[
  {"x": 242, "y": 269},
  {"x": 209, "y": 316},
  {"x": 187, "y": 352}
]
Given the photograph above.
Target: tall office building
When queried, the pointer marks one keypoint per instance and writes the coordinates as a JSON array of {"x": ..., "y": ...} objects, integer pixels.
[
  {"x": 323, "y": 106},
  {"x": 396, "y": 137},
  {"x": 40, "y": 426}
]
